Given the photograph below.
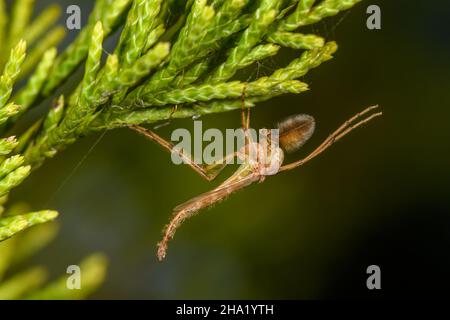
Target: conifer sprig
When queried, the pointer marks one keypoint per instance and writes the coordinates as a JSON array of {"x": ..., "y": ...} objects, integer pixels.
[
  {"x": 168, "y": 54},
  {"x": 185, "y": 55},
  {"x": 188, "y": 54}
]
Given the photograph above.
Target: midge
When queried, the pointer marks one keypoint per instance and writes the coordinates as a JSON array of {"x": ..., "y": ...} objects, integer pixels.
[{"x": 293, "y": 133}]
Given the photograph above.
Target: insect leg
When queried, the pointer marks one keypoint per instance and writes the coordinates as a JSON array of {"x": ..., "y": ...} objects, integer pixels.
[
  {"x": 209, "y": 173},
  {"x": 244, "y": 119},
  {"x": 245, "y": 115},
  {"x": 342, "y": 131}
]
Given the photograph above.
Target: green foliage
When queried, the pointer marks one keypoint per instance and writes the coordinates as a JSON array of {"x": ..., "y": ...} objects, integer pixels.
[
  {"x": 31, "y": 282},
  {"x": 14, "y": 36},
  {"x": 93, "y": 268},
  {"x": 189, "y": 54},
  {"x": 9, "y": 226},
  {"x": 169, "y": 54}
]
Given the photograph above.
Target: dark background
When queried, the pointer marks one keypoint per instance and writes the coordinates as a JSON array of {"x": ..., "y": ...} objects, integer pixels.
[{"x": 381, "y": 196}]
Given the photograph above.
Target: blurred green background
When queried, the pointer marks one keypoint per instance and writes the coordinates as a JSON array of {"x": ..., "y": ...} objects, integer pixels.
[{"x": 381, "y": 196}]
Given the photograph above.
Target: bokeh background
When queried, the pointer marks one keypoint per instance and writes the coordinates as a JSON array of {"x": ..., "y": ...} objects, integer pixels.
[{"x": 381, "y": 196}]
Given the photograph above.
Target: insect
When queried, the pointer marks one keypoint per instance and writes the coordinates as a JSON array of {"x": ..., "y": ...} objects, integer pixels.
[{"x": 259, "y": 160}]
